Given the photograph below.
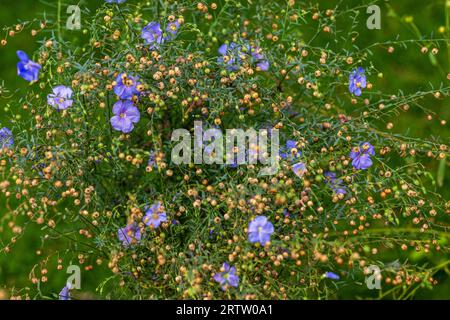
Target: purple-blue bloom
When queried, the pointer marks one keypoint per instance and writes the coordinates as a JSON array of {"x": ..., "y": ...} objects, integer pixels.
[
  {"x": 60, "y": 98},
  {"x": 335, "y": 184},
  {"x": 125, "y": 115},
  {"x": 357, "y": 80},
  {"x": 130, "y": 234},
  {"x": 291, "y": 144},
  {"x": 153, "y": 34},
  {"x": 231, "y": 56},
  {"x": 172, "y": 28},
  {"x": 125, "y": 86},
  {"x": 259, "y": 230},
  {"x": 287, "y": 151},
  {"x": 155, "y": 215},
  {"x": 65, "y": 292},
  {"x": 361, "y": 156},
  {"x": 299, "y": 169},
  {"x": 6, "y": 138},
  {"x": 258, "y": 58},
  {"x": 26, "y": 68},
  {"x": 331, "y": 275},
  {"x": 263, "y": 65},
  {"x": 152, "y": 160},
  {"x": 115, "y": 1},
  {"x": 228, "y": 277}
]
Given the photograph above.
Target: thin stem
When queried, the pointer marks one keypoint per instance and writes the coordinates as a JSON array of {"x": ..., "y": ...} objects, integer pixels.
[
  {"x": 447, "y": 28},
  {"x": 127, "y": 22},
  {"x": 58, "y": 20}
]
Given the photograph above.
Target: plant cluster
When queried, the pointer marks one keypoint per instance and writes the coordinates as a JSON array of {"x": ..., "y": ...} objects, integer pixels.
[{"x": 90, "y": 163}]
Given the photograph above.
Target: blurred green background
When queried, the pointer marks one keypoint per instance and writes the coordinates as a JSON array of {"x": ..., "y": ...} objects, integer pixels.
[{"x": 406, "y": 69}]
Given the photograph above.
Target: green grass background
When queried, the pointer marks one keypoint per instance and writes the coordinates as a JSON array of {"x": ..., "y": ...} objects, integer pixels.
[{"x": 405, "y": 69}]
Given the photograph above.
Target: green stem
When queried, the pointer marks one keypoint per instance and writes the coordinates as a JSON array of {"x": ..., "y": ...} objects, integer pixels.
[
  {"x": 447, "y": 28},
  {"x": 58, "y": 20},
  {"x": 130, "y": 28}
]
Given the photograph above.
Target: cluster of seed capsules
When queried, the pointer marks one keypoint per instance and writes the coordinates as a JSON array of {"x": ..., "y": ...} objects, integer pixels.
[{"x": 93, "y": 166}]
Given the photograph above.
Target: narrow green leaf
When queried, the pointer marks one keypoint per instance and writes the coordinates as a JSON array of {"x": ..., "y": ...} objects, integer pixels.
[
  {"x": 441, "y": 172},
  {"x": 433, "y": 59}
]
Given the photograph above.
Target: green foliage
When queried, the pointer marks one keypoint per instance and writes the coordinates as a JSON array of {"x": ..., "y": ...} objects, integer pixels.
[{"x": 72, "y": 181}]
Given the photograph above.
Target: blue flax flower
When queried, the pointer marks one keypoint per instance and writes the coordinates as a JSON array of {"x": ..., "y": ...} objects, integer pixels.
[
  {"x": 153, "y": 34},
  {"x": 335, "y": 184},
  {"x": 152, "y": 160},
  {"x": 172, "y": 29},
  {"x": 357, "y": 81},
  {"x": 60, "y": 99},
  {"x": 155, "y": 215},
  {"x": 115, "y": 1},
  {"x": 361, "y": 156},
  {"x": 331, "y": 275},
  {"x": 125, "y": 86},
  {"x": 27, "y": 69},
  {"x": 259, "y": 230},
  {"x": 228, "y": 277},
  {"x": 125, "y": 116},
  {"x": 299, "y": 169},
  {"x": 231, "y": 56},
  {"x": 65, "y": 292},
  {"x": 257, "y": 57},
  {"x": 130, "y": 234},
  {"x": 286, "y": 152},
  {"x": 6, "y": 138}
]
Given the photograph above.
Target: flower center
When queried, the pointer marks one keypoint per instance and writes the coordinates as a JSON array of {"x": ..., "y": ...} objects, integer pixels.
[
  {"x": 155, "y": 216},
  {"x": 358, "y": 84},
  {"x": 123, "y": 115},
  {"x": 260, "y": 229}
]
